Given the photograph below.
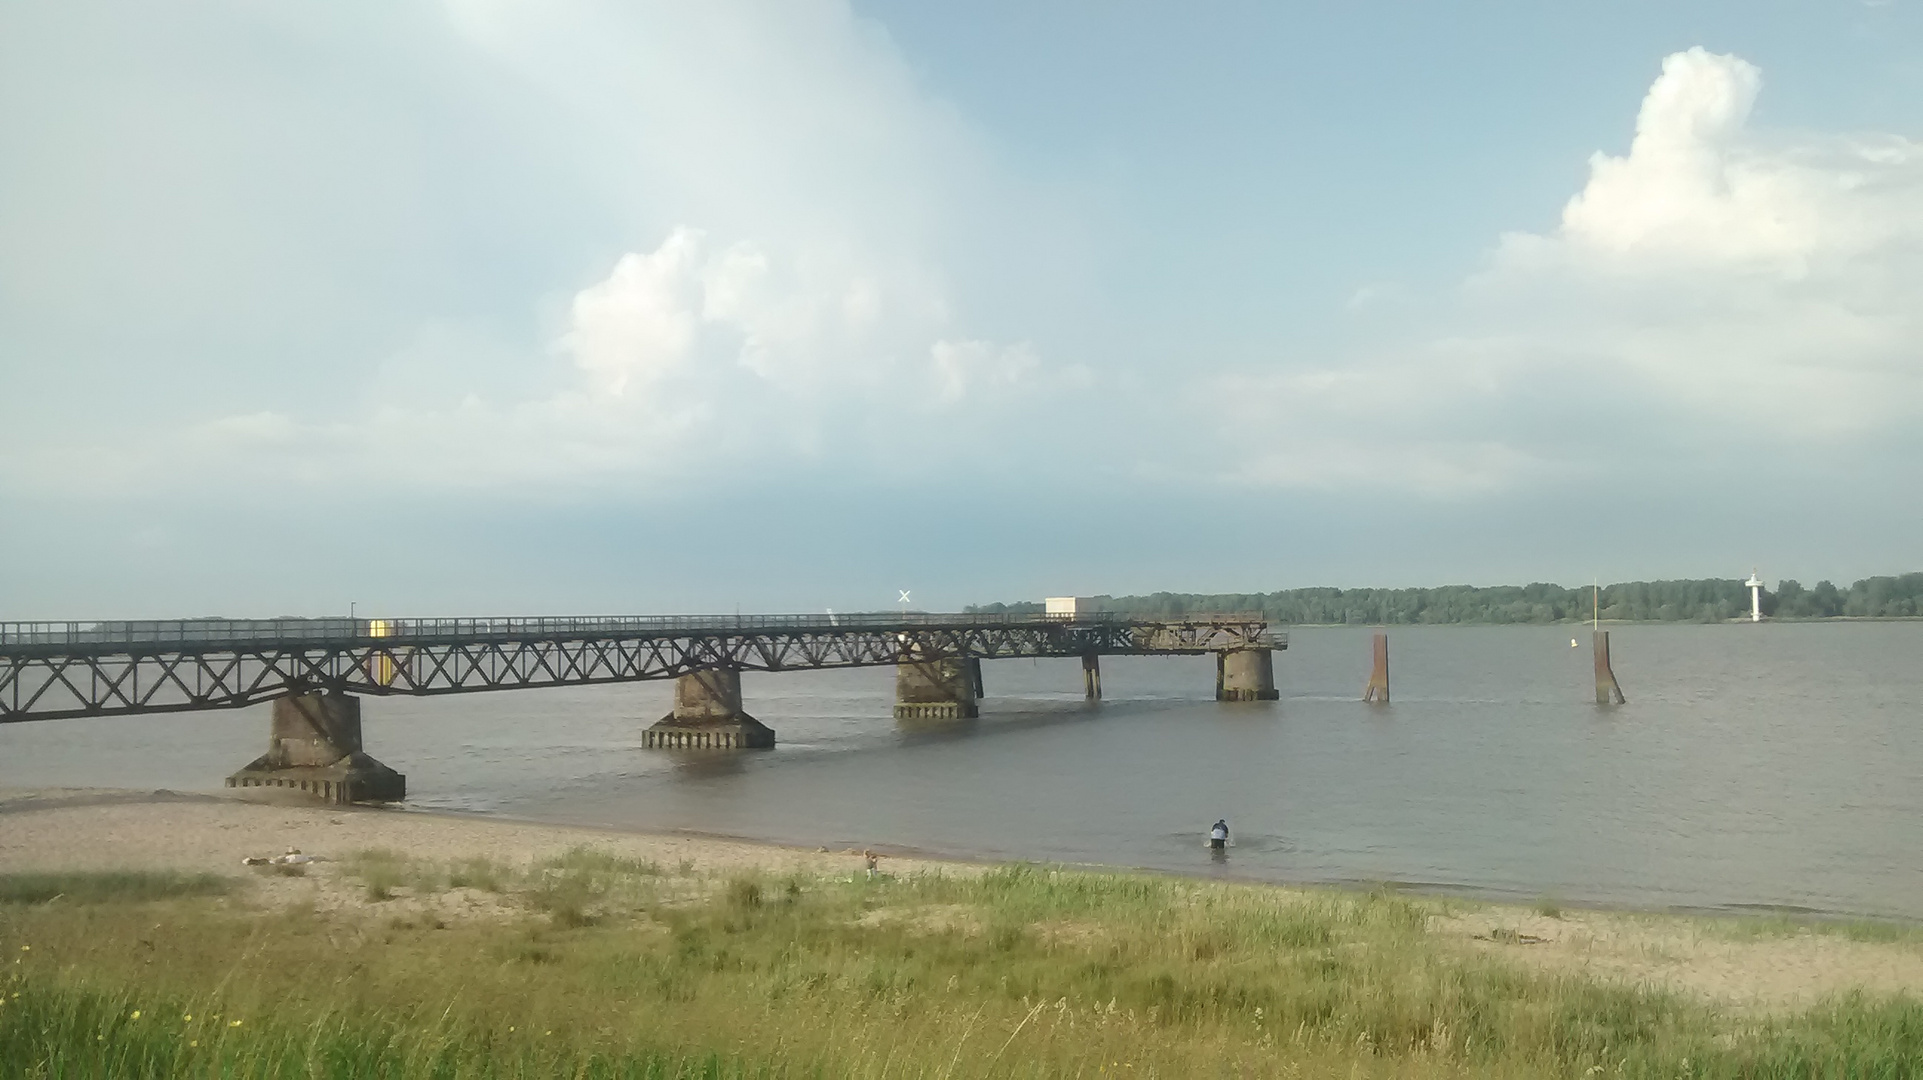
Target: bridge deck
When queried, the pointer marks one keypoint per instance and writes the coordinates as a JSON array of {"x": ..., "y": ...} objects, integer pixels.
[{"x": 50, "y": 670}]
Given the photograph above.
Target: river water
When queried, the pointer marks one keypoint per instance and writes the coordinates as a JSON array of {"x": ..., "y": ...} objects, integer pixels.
[{"x": 1756, "y": 767}]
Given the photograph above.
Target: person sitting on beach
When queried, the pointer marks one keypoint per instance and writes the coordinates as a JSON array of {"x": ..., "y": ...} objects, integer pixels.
[{"x": 1219, "y": 835}]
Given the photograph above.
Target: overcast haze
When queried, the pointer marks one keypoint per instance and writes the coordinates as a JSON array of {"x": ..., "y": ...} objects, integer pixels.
[{"x": 486, "y": 307}]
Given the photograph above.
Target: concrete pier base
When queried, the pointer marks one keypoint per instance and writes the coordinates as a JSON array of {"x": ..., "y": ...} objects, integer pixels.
[
  {"x": 708, "y": 716},
  {"x": 315, "y": 747},
  {"x": 1245, "y": 675},
  {"x": 943, "y": 689},
  {"x": 1378, "y": 689},
  {"x": 1607, "y": 692},
  {"x": 1092, "y": 677}
]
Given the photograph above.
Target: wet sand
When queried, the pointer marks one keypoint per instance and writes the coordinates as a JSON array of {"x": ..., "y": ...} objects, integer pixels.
[{"x": 100, "y": 829}]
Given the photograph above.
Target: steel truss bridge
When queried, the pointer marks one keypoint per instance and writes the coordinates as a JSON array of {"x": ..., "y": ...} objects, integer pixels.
[{"x": 54, "y": 670}]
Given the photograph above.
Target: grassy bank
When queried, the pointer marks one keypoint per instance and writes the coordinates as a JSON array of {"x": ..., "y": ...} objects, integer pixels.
[{"x": 591, "y": 965}]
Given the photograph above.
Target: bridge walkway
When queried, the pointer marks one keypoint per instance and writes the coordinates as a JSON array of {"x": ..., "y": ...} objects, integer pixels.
[{"x": 315, "y": 671}]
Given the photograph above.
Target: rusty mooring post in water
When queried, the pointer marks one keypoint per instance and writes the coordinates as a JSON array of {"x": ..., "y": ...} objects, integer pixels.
[
  {"x": 1378, "y": 689},
  {"x": 1607, "y": 692}
]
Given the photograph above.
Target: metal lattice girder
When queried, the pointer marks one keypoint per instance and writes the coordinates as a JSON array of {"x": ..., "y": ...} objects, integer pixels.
[{"x": 54, "y": 670}]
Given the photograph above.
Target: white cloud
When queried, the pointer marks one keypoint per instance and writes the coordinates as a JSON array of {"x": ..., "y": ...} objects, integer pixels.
[
  {"x": 1699, "y": 190},
  {"x": 1679, "y": 189},
  {"x": 978, "y": 368},
  {"x": 694, "y": 357},
  {"x": 1753, "y": 279},
  {"x": 689, "y": 319},
  {"x": 258, "y": 429},
  {"x": 778, "y": 208},
  {"x": 1715, "y": 287},
  {"x": 637, "y": 326},
  {"x": 763, "y": 274}
]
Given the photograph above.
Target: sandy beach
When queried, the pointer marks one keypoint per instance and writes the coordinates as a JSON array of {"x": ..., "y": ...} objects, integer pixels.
[
  {"x": 105, "y": 829},
  {"x": 1745, "y": 963}
]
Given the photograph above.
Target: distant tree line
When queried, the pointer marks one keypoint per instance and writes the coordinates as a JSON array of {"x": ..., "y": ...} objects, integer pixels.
[{"x": 1705, "y": 600}]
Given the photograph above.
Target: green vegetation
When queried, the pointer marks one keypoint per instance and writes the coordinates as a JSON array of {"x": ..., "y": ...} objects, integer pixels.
[
  {"x": 100, "y": 888},
  {"x": 1879, "y": 931},
  {"x": 1707, "y": 600},
  {"x": 592, "y": 966}
]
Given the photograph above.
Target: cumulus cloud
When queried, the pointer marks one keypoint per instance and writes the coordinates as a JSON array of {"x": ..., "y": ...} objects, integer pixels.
[
  {"x": 693, "y": 318},
  {"x": 1699, "y": 189},
  {"x": 777, "y": 206},
  {"x": 980, "y": 367},
  {"x": 776, "y": 211},
  {"x": 1745, "y": 276},
  {"x": 1715, "y": 285},
  {"x": 694, "y": 355},
  {"x": 637, "y": 326},
  {"x": 1678, "y": 189}
]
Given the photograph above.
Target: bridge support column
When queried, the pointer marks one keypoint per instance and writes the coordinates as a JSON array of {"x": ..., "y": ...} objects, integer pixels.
[
  {"x": 1092, "y": 677},
  {"x": 944, "y": 689},
  {"x": 1245, "y": 675},
  {"x": 315, "y": 747},
  {"x": 708, "y": 716}
]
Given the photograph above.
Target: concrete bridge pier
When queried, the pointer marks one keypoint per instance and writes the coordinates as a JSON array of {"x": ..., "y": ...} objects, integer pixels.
[
  {"x": 1245, "y": 675},
  {"x": 315, "y": 746},
  {"x": 708, "y": 716},
  {"x": 940, "y": 689},
  {"x": 1092, "y": 677}
]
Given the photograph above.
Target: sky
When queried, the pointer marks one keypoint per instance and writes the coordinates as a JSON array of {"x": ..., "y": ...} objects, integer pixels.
[{"x": 486, "y": 307}]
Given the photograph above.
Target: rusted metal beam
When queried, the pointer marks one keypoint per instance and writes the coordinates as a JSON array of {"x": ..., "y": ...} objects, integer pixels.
[{"x": 53, "y": 671}]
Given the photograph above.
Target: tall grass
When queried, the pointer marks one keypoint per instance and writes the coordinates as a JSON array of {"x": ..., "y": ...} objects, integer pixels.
[
  {"x": 100, "y": 888},
  {"x": 66, "y": 1032},
  {"x": 616, "y": 969}
]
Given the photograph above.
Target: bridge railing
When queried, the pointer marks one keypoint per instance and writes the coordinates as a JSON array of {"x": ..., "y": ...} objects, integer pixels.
[{"x": 178, "y": 632}]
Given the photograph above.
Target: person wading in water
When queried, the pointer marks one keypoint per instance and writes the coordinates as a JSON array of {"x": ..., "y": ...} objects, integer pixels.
[{"x": 1219, "y": 835}]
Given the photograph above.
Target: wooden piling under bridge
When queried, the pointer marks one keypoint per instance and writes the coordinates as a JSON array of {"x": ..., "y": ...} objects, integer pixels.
[{"x": 1092, "y": 677}]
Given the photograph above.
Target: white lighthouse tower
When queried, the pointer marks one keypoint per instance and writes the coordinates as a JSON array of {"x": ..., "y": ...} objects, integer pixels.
[{"x": 1755, "y": 596}]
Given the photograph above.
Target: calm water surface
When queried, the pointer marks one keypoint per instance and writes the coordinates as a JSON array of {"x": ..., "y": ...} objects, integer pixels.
[{"x": 1771, "y": 766}]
